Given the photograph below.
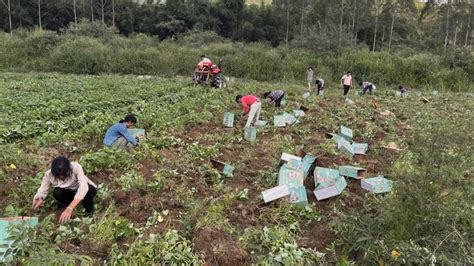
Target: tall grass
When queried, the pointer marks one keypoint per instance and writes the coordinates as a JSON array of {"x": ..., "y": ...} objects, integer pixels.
[{"x": 72, "y": 52}]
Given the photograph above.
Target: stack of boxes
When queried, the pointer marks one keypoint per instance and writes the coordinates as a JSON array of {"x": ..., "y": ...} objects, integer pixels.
[
  {"x": 291, "y": 176},
  {"x": 328, "y": 183}
]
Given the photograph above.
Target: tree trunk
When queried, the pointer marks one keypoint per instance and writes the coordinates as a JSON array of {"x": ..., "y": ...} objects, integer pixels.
[
  {"x": 341, "y": 21},
  {"x": 353, "y": 22},
  {"x": 391, "y": 32},
  {"x": 302, "y": 19},
  {"x": 287, "y": 22},
  {"x": 9, "y": 8},
  {"x": 39, "y": 14},
  {"x": 75, "y": 13},
  {"x": 375, "y": 31},
  {"x": 446, "y": 36},
  {"x": 456, "y": 33},
  {"x": 468, "y": 30},
  {"x": 92, "y": 10},
  {"x": 113, "y": 13},
  {"x": 102, "y": 11}
]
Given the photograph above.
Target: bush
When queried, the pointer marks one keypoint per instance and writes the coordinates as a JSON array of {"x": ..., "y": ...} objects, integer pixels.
[{"x": 92, "y": 48}]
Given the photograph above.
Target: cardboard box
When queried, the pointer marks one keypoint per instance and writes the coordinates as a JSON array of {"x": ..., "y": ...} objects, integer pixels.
[
  {"x": 352, "y": 171},
  {"x": 346, "y": 133},
  {"x": 360, "y": 148},
  {"x": 333, "y": 137},
  {"x": 298, "y": 113},
  {"x": 5, "y": 223},
  {"x": 290, "y": 119},
  {"x": 291, "y": 177},
  {"x": 377, "y": 184},
  {"x": 279, "y": 121},
  {"x": 137, "y": 132},
  {"x": 330, "y": 188},
  {"x": 223, "y": 168},
  {"x": 275, "y": 193},
  {"x": 286, "y": 157},
  {"x": 324, "y": 175},
  {"x": 228, "y": 119},
  {"x": 345, "y": 146},
  {"x": 250, "y": 134},
  {"x": 298, "y": 195},
  {"x": 308, "y": 163},
  {"x": 260, "y": 123}
]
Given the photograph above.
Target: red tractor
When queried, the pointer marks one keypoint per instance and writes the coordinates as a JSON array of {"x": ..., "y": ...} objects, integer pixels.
[{"x": 209, "y": 73}]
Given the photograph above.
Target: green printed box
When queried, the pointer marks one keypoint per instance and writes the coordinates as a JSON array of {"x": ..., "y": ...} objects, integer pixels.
[
  {"x": 228, "y": 119},
  {"x": 360, "y": 148},
  {"x": 290, "y": 177},
  {"x": 298, "y": 113},
  {"x": 308, "y": 162},
  {"x": 5, "y": 242},
  {"x": 223, "y": 168},
  {"x": 260, "y": 123},
  {"x": 290, "y": 119},
  {"x": 250, "y": 134},
  {"x": 377, "y": 184},
  {"x": 137, "y": 132},
  {"x": 325, "y": 175},
  {"x": 331, "y": 188},
  {"x": 345, "y": 146},
  {"x": 298, "y": 195},
  {"x": 346, "y": 133},
  {"x": 333, "y": 137},
  {"x": 279, "y": 121},
  {"x": 352, "y": 171}
]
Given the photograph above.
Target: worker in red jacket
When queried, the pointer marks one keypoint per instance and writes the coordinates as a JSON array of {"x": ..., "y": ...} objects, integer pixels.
[{"x": 251, "y": 105}]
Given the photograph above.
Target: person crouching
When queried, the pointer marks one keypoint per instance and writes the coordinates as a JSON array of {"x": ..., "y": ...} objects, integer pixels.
[{"x": 71, "y": 187}]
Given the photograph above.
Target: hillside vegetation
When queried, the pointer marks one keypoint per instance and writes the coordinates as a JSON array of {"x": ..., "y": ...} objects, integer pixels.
[{"x": 94, "y": 49}]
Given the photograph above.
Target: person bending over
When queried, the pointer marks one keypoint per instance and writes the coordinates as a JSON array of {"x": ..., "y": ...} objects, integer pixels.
[
  {"x": 367, "y": 86},
  {"x": 71, "y": 187},
  {"x": 320, "y": 86},
  {"x": 251, "y": 105},
  {"x": 275, "y": 96}
]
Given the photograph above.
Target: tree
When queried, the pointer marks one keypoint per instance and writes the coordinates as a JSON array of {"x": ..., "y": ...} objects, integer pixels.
[
  {"x": 39, "y": 14},
  {"x": 75, "y": 13},
  {"x": 446, "y": 36},
  {"x": 8, "y": 6}
]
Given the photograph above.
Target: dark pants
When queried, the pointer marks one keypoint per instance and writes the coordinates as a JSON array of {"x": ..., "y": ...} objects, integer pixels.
[
  {"x": 368, "y": 88},
  {"x": 346, "y": 89},
  {"x": 320, "y": 89},
  {"x": 278, "y": 101},
  {"x": 66, "y": 196}
]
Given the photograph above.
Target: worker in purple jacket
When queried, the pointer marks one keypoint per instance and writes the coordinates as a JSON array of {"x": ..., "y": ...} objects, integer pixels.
[{"x": 275, "y": 96}]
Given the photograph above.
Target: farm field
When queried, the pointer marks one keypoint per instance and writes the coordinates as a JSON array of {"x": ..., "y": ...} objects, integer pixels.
[{"x": 164, "y": 203}]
